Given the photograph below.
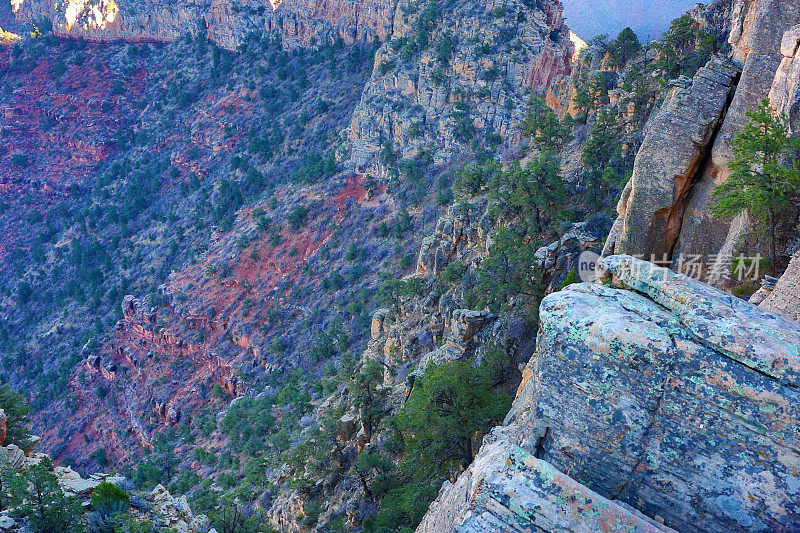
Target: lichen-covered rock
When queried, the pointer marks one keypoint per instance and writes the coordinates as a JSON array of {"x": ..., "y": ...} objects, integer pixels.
[
  {"x": 652, "y": 206},
  {"x": 508, "y": 489},
  {"x": 664, "y": 394}
]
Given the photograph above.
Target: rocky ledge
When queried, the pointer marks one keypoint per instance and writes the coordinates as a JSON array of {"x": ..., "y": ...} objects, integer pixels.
[{"x": 653, "y": 401}]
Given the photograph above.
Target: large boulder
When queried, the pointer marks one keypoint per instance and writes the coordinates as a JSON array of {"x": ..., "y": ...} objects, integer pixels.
[
  {"x": 652, "y": 206},
  {"x": 508, "y": 489},
  {"x": 655, "y": 392}
]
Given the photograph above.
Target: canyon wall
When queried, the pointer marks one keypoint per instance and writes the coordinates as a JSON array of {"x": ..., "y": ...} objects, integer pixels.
[
  {"x": 224, "y": 22},
  {"x": 473, "y": 76},
  {"x": 652, "y": 392}
]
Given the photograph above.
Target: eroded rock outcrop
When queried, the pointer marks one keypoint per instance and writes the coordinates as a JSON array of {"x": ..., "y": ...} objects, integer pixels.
[
  {"x": 652, "y": 205},
  {"x": 658, "y": 393},
  {"x": 157, "y": 507},
  {"x": 785, "y": 91},
  {"x": 509, "y": 489},
  {"x": 757, "y": 28},
  {"x": 666, "y": 207},
  {"x": 784, "y": 298},
  {"x": 439, "y": 98}
]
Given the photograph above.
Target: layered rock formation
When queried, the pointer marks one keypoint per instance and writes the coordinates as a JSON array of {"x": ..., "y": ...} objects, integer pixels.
[
  {"x": 471, "y": 78},
  {"x": 664, "y": 395},
  {"x": 224, "y": 22}
]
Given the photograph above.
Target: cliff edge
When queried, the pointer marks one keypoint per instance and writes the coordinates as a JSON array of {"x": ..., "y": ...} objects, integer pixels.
[{"x": 652, "y": 401}]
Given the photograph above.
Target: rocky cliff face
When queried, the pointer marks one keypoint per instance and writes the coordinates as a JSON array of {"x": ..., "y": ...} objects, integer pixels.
[
  {"x": 656, "y": 392},
  {"x": 444, "y": 82},
  {"x": 226, "y": 23},
  {"x": 652, "y": 205},
  {"x": 785, "y": 91},
  {"x": 671, "y": 215},
  {"x": 784, "y": 296}
]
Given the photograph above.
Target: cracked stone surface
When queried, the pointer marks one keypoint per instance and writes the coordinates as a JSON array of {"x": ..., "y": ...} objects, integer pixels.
[{"x": 658, "y": 393}]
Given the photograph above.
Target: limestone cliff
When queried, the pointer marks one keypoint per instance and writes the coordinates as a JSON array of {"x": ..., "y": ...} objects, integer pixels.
[
  {"x": 224, "y": 22},
  {"x": 655, "y": 393},
  {"x": 463, "y": 78}
]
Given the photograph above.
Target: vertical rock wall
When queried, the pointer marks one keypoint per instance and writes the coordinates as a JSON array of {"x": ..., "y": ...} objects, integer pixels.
[
  {"x": 666, "y": 207},
  {"x": 652, "y": 206},
  {"x": 757, "y": 28}
]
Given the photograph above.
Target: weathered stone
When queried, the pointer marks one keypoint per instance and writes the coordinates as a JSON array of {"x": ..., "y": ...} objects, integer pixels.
[
  {"x": 508, "y": 489},
  {"x": 667, "y": 396},
  {"x": 784, "y": 298},
  {"x": 461, "y": 228},
  {"x": 757, "y": 30},
  {"x": 14, "y": 456},
  {"x": 559, "y": 258},
  {"x": 670, "y": 392},
  {"x": 6, "y": 522},
  {"x": 378, "y": 320},
  {"x": 407, "y": 105},
  {"x": 767, "y": 286},
  {"x": 785, "y": 91},
  {"x": 465, "y": 323},
  {"x": 652, "y": 206}
]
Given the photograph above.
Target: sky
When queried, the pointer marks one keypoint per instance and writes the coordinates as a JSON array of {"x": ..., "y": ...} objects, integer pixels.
[{"x": 648, "y": 18}]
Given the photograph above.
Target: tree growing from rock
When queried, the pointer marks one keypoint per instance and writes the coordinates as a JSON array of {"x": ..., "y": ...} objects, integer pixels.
[
  {"x": 543, "y": 127},
  {"x": 446, "y": 409},
  {"x": 12, "y": 484},
  {"x": 761, "y": 181},
  {"x": 623, "y": 48},
  {"x": 46, "y": 507}
]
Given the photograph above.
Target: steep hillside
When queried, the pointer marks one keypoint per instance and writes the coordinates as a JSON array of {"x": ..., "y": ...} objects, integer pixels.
[{"x": 292, "y": 260}]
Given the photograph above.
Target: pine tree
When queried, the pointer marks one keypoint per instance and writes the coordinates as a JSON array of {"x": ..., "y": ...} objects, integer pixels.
[
  {"x": 452, "y": 402},
  {"x": 543, "y": 126},
  {"x": 761, "y": 180},
  {"x": 47, "y": 508},
  {"x": 12, "y": 485},
  {"x": 18, "y": 417}
]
